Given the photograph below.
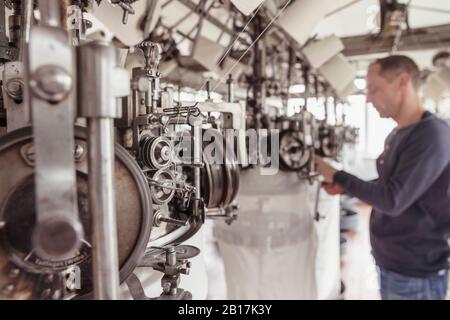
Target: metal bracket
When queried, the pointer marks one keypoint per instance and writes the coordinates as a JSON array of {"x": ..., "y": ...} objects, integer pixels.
[
  {"x": 50, "y": 94},
  {"x": 170, "y": 260},
  {"x": 7, "y": 52},
  {"x": 138, "y": 293},
  {"x": 17, "y": 112}
]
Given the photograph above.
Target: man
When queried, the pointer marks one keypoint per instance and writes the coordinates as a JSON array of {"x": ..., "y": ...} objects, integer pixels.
[{"x": 410, "y": 221}]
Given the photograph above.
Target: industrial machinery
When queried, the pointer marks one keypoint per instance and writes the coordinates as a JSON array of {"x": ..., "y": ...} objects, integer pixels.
[{"x": 101, "y": 171}]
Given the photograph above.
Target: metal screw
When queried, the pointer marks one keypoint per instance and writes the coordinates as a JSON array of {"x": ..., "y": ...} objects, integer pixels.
[{"x": 14, "y": 88}]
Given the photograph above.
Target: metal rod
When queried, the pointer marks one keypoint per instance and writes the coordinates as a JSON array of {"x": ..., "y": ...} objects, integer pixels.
[
  {"x": 97, "y": 62},
  {"x": 198, "y": 26},
  {"x": 174, "y": 221},
  {"x": 3, "y": 38},
  {"x": 101, "y": 199},
  {"x": 263, "y": 48},
  {"x": 230, "y": 84},
  {"x": 223, "y": 32},
  {"x": 178, "y": 120},
  {"x": 27, "y": 15},
  {"x": 197, "y": 133},
  {"x": 50, "y": 11},
  {"x": 341, "y": 8},
  {"x": 187, "y": 15},
  {"x": 214, "y": 21},
  {"x": 316, "y": 201},
  {"x": 215, "y": 211}
]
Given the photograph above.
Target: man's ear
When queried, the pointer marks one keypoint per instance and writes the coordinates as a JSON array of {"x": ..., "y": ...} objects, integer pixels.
[{"x": 404, "y": 79}]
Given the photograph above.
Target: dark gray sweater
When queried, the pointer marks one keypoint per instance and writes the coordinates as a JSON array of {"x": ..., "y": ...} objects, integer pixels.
[{"x": 410, "y": 221}]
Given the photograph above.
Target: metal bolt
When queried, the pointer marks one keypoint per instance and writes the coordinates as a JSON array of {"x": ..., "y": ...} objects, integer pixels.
[
  {"x": 156, "y": 219},
  {"x": 125, "y": 17},
  {"x": 57, "y": 295},
  {"x": 14, "y": 88},
  {"x": 57, "y": 238},
  {"x": 8, "y": 289},
  {"x": 30, "y": 154},
  {"x": 14, "y": 273},
  {"x": 45, "y": 294},
  {"x": 165, "y": 153},
  {"x": 51, "y": 83},
  {"x": 79, "y": 151},
  {"x": 166, "y": 287},
  {"x": 48, "y": 278}
]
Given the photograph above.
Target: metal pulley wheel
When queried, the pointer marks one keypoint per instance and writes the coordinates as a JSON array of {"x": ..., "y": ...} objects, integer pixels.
[
  {"x": 331, "y": 139},
  {"x": 162, "y": 186},
  {"x": 328, "y": 149},
  {"x": 156, "y": 152},
  {"x": 294, "y": 154},
  {"x": 220, "y": 181},
  {"x": 23, "y": 275},
  {"x": 158, "y": 255}
]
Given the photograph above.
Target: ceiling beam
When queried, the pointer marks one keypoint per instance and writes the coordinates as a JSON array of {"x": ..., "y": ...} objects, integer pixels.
[
  {"x": 434, "y": 37},
  {"x": 214, "y": 21}
]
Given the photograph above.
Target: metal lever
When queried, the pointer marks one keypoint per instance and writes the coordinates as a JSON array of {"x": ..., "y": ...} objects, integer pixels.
[
  {"x": 174, "y": 221},
  {"x": 208, "y": 90},
  {"x": 50, "y": 94},
  {"x": 158, "y": 218}
]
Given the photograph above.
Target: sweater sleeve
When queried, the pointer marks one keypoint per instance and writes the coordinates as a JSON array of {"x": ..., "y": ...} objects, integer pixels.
[{"x": 423, "y": 159}]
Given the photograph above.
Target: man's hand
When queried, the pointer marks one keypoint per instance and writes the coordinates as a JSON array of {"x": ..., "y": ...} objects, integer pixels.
[
  {"x": 332, "y": 189},
  {"x": 325, "y": 169}
]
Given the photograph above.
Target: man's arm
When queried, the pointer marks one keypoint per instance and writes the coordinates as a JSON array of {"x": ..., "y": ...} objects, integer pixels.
[{"x": 424, "y": 159}]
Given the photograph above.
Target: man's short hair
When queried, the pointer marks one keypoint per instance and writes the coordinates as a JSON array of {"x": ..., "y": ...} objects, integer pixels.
[{"x": 392, "y": 66}]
